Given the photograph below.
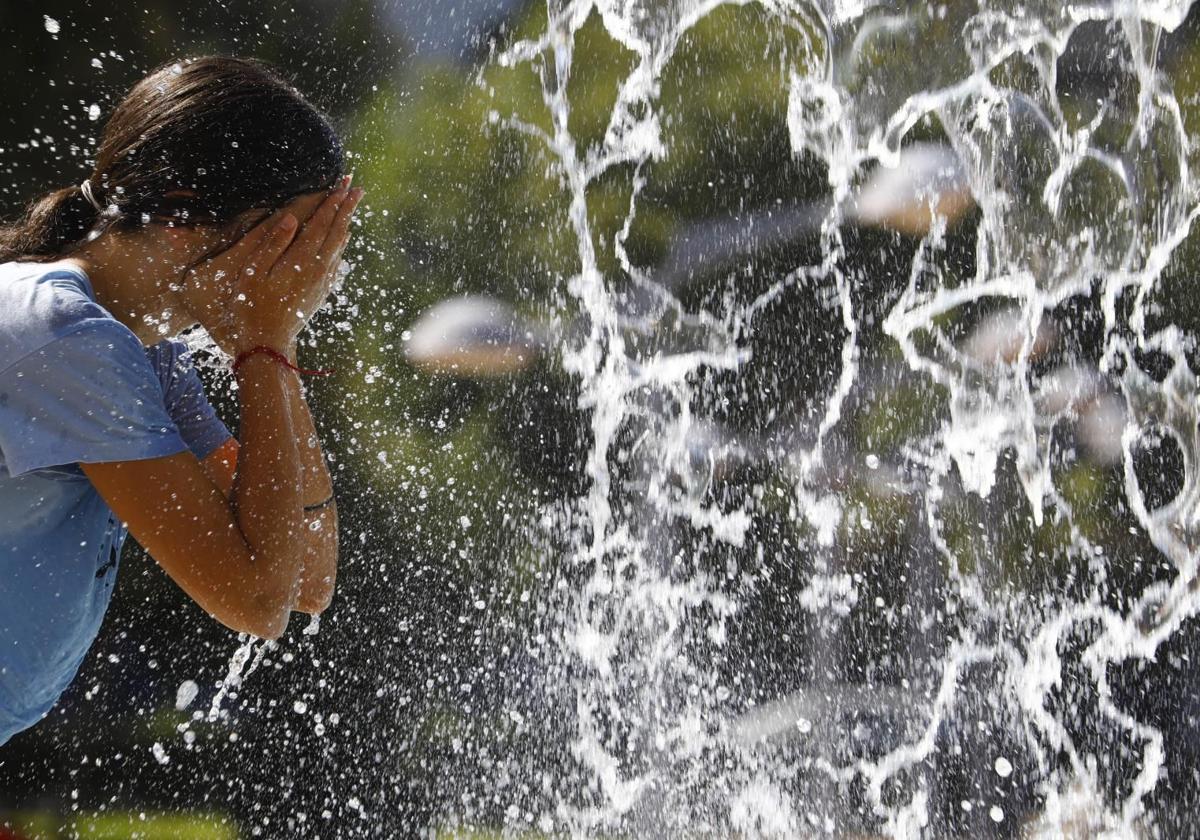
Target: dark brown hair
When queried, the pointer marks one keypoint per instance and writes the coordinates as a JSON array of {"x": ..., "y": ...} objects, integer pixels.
[{"x": 197, "y": 141}]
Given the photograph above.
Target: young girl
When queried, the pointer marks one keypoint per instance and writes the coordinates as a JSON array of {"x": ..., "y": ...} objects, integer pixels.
[{"x": 217, "y": 198}]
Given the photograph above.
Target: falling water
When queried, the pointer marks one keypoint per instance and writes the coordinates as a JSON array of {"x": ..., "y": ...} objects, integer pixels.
[{"x": 985, "y": 715}]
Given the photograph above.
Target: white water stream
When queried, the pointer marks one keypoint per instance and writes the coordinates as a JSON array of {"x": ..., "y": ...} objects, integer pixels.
[{"x": 1084, "y": 205}]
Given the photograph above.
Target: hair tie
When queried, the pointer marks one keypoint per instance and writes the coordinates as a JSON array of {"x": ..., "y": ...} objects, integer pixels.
[{"x": 86, "y": 189}]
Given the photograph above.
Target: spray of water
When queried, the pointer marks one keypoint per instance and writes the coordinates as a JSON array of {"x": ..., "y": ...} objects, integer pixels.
[{"x": 1074, "y": 204}]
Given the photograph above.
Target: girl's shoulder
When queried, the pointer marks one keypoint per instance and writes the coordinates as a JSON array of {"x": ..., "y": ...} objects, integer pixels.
[{"x": 42, "y": 302}]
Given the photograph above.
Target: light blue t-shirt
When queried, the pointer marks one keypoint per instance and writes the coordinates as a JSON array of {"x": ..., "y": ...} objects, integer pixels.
[{"x": 76, "y": 386}]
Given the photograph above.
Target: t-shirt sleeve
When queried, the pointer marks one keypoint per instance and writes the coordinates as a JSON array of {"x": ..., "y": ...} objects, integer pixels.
[
  {"x": 186, "y": 401},
  {"x": 89, "y": 396}
]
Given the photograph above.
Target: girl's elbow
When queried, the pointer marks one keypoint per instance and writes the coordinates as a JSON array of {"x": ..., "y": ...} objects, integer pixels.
[
  {"x": 264, "y": 626},
  {"x": 263, "y": 614},
  {"x": 317, "y": 585},
  {"x": 316, "y": 601},
  {"x": 269, "y": 626}
]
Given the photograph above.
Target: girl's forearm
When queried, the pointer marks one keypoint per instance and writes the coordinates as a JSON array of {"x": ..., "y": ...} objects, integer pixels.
[
  {"x": 320, "y": 540},
  {"x": 268, "y": 495}
]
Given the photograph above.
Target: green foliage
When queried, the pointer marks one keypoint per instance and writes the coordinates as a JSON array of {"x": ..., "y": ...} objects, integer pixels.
[
  {"x": 123, "y": 825},
  {"x": 477, "y": 834}
]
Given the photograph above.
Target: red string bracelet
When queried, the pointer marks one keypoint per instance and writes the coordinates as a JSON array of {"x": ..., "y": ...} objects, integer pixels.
[{"x": 277, "y": 356}]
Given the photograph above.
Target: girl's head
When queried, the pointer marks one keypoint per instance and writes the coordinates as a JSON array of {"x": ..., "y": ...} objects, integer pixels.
[{"x": 198, "y": 143}]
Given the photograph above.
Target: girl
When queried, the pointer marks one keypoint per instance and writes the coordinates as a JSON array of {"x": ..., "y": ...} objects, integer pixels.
[{"x": 217, "y": 198}]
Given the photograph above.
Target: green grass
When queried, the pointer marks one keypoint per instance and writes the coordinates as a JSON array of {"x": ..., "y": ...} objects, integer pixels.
[{"x": 122, "y": 825}]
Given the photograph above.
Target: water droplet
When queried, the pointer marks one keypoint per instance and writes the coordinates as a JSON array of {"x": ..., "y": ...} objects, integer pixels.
[
  {"x": 185, "y": 694},
  {"x": 1003, "y": 767},
  {"x": 997, "y": 813},
  {"x": 52, "y": 26},
  {"x": 314, "y": 625}
]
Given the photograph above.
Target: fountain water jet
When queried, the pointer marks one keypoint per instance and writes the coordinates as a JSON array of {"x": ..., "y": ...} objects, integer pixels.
[{"x": 1073, "y": 208}]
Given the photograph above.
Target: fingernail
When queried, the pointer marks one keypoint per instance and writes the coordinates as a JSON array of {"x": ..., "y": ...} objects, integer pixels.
[
  {"x": 286, "y": 223},
  {"x": 357, "y": 193}
]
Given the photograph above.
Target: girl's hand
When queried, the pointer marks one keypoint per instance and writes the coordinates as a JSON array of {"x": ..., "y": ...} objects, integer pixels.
[{"x": 264, "y": 289}]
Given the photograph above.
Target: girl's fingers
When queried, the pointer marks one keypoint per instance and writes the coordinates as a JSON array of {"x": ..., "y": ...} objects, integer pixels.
[
  {"x": 339, "y": 238},
  {"x": 315, "y": 230},
  {"x": 271, "y": 248},
  {"x": 304, "y": 206},
  {"x": 336, "y": 257},
  {"x": 302, "y": 262},
  {"x": 245, "y": 246},
  {"x": 331, "y": 274},
  {"x": 337, "y": 241},
  {"x": 340, "y": 227},
  {"x": 300, "y": 208}
]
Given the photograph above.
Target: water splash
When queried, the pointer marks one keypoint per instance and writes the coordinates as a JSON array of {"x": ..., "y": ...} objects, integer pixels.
[
  {"x": 1081, "y": 205},
  {"x": 243, "y": 663}
]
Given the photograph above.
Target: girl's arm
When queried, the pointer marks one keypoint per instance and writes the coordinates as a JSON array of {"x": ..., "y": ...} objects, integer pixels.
[
  {"x": 320, "y": 519},
  {"x": 320, "y": 515},
  {"x": 241, "y": 558}
]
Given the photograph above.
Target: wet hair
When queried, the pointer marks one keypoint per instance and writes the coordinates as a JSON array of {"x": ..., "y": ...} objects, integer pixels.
[{"x": 198, "y": 141}]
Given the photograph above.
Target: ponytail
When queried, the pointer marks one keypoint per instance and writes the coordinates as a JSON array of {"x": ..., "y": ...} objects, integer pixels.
[{"x": 50, "y": 227}]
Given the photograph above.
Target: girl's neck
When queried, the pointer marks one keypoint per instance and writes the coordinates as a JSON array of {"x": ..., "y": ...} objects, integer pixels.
[{"x": 132, "y": 282}]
